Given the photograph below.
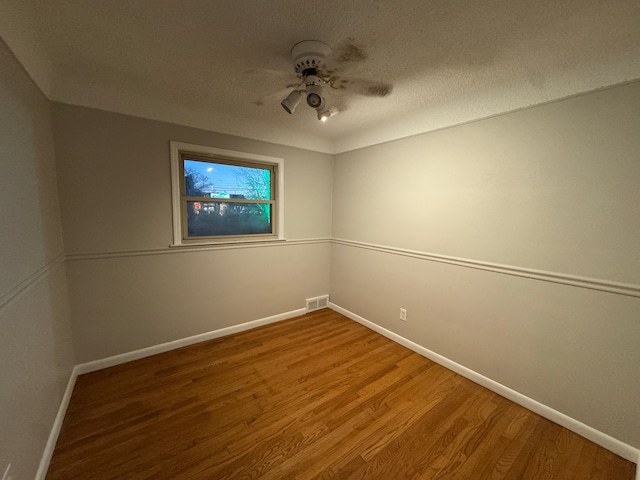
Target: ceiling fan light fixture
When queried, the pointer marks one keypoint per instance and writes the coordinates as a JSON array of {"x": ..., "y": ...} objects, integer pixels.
[
  {"x": 326, "y": 113},
  {"x": 314, "y": 96},
  {"x": 292, "y": 101},
  {"x": 314, "y": 75}
]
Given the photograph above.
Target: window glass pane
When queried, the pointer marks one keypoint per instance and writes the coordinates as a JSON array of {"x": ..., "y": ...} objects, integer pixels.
[
  {"x": 206, "y": 219},
  {"x": 217, "y": 180}
]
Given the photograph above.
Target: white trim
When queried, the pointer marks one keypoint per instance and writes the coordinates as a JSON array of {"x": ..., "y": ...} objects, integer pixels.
[
  {"x": 176, "y": 147},
  {"x": 183, "y": 342},
  {"x": 616, "y": 446},
  {"x": 194, "y": 248},
  {"x": 7, "y": 297},
  {"x": 602, "y": 285},
  {"x": 57, "y": 425},
  {"x": 546, "y": 276},
  {"x": 175, "y": 191}
]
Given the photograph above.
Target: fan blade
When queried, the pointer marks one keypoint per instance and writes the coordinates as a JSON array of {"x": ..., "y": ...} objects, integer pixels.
[
  {"x": 266, "y": 71},
  {"x": 263, "y": 79},
  {"x": 276, "y": 76},
  {"x": 362, "y": 87},
  {"x": 272, "y": 98},
  {"x": 348, "y": 52},
  {"x": 344, "y": 56}
]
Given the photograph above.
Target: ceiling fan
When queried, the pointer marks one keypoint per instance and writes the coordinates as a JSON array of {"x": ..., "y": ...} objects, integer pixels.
[{"x": 316, "y": 68}]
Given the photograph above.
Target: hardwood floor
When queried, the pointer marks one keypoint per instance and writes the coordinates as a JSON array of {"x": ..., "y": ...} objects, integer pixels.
[{"x": 317, "y": 396}]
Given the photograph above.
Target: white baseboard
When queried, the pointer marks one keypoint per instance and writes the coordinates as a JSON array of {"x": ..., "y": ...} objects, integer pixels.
[
  {"x": 135, "y": 355},
  {"x": 614, "y": 445},
  {"x": 183, "y": 342},
  {"x": 57, "y": 425}
]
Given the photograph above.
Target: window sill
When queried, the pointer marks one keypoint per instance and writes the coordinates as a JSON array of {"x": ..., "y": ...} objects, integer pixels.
[{"x": 228, "y": 243}]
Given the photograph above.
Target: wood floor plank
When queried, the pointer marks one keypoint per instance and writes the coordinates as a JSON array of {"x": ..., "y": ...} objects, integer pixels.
[
  {"x": 315, "y": 397},
  {"x": 517, "y": 435},
  {"x": 429, "y": 428}
]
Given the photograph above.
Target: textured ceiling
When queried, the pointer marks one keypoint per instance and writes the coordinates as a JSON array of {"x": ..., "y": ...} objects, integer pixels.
[{"x": 207, "y": 63}]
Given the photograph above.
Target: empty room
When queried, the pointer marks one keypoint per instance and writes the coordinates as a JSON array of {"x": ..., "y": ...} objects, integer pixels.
[{"x": 310, "y": 240}]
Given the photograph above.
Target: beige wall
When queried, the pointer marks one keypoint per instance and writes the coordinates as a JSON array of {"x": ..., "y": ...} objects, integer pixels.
[
  {"x": 115, "y": 181},
  {"x": 36, "y": 354},
  {"x": 553, "y": 188},
  {"x": 115, "y": 191},
  {"x": 127, "y": 303}
]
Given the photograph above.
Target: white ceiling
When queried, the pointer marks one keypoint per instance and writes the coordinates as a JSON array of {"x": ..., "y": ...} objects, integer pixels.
[{"x": 201, "y": 62}]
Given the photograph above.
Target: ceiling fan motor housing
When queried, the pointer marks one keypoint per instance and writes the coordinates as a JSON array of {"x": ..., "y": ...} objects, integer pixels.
[{"x": 308, "y": 54}]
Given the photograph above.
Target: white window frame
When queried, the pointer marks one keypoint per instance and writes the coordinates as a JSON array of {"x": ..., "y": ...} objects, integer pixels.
[{"x": 213, "y": 153}]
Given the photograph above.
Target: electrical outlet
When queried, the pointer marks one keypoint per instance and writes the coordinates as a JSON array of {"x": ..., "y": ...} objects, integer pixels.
[{"x": 403, "y": 314}]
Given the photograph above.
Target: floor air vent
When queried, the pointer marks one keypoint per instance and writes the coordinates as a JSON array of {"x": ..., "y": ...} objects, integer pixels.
[{"x": 317, "y": 303}]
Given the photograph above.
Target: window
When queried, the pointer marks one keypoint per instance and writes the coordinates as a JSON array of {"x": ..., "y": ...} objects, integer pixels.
[{"x": 224, "y": 196}]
